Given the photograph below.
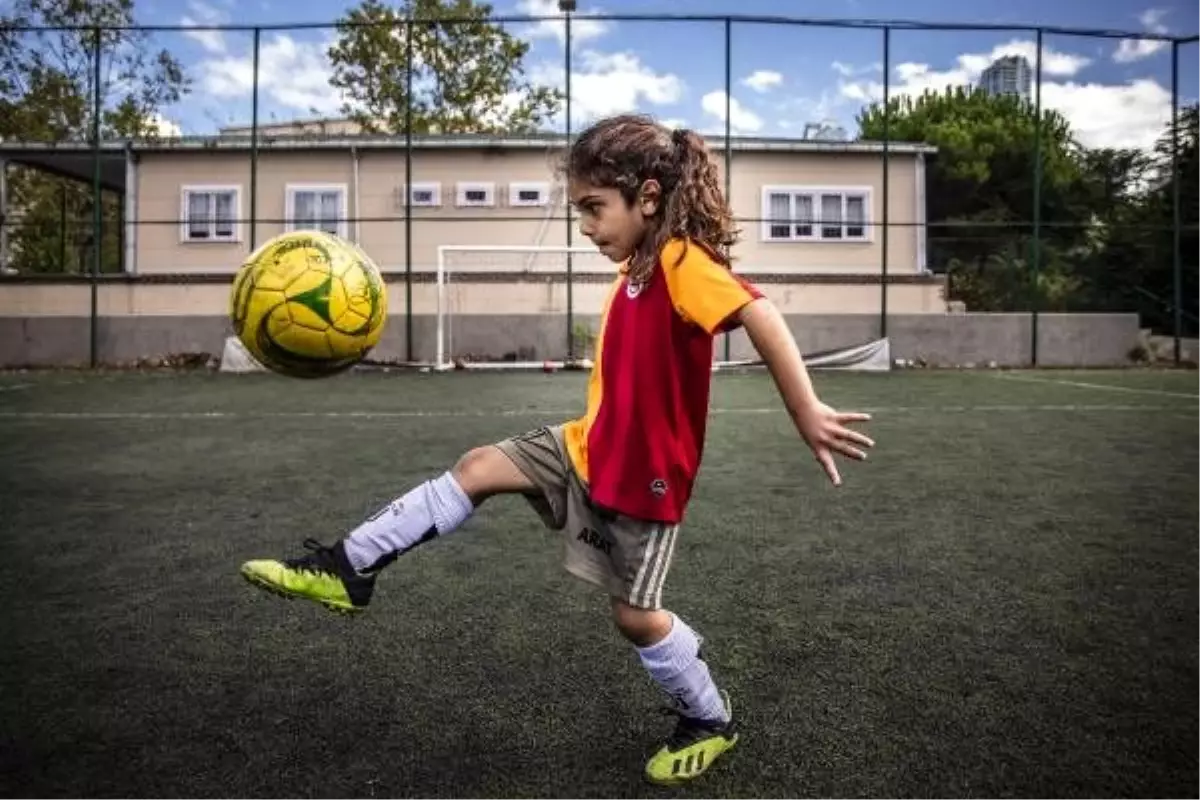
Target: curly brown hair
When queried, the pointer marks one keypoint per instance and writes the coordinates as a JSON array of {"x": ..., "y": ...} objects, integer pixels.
[{"x": 625, "y": 151}]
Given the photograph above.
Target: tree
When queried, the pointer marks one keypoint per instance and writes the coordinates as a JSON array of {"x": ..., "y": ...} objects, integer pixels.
[
  {"x": 980, "y": 191},
  {"x": 1131, "y": 267},
  {"x": 47, "y": 93},
  {"x": 46, "y": 76},
  {"x": 467, "y": 75}
]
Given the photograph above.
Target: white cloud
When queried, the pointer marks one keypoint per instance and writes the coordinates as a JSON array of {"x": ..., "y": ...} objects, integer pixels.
[
  {"x": 582, "y": 30},
  {"x": 293, "y": 74},
  {"x": 741, "y": 119},
  {"x": 849, "y": 70},
  {"x": 763, "y": 80},
  {"x": 1101, "y": 115},
  {"x": 861, "y": 91},
  {"x": 204, "y": 14},
  {"x": 1130, "y": 50},
  {"x": 492, "y": 115},
  {"x": 609, "y": 83},
  {"x": 1054, "y": 63},
  {"x": 1130, "y": 115},
  {"x": 808, "y": 108},
  {"x": 916, "y": 78},
  {"x": 1151, "y": 19}
]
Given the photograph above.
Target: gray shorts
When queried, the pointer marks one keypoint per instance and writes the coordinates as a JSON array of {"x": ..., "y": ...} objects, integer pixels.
[{"x": 627, "y": 557}]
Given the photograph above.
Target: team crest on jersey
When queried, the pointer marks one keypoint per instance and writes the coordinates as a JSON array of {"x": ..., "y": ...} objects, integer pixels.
[
  {"x": 632, "y": 290},
  {"x": 658, "y": 487}
]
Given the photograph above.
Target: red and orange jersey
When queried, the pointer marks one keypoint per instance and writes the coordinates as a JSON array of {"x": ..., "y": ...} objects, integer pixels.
[{"x": 639, "y": 445}]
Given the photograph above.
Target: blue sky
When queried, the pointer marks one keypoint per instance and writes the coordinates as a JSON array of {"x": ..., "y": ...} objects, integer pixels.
[{"x": 1113, "y": 92}]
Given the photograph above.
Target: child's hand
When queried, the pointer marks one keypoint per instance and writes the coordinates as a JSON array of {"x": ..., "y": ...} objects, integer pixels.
[{"x": 825, "y": 431}]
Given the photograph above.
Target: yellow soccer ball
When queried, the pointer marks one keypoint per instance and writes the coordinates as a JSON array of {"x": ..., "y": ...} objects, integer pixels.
[{"x": 308, "y": 304}]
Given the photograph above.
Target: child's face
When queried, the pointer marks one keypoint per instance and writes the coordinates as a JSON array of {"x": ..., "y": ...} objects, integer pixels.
[{"x": 614, "y": 226}]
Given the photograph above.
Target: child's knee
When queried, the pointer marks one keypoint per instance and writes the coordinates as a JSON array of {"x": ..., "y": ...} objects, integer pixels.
[
  {"x": 472, "y": 463},
  {"x": 472, "y": 471},
  {"x": 486, "y": 471},
  {"x": 641, "y": 626}
]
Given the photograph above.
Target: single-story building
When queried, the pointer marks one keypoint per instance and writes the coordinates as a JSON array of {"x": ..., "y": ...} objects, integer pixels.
[{"x": 812, "y": 217}]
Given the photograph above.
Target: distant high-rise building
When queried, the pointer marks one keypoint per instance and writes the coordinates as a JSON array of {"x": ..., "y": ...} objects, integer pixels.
[{"x": 1010, "y": 75}]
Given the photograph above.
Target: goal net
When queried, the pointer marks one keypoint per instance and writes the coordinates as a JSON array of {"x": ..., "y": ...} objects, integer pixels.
[
  {"x": 538, "y": 307},
  {"x": 518, "y": 307}
]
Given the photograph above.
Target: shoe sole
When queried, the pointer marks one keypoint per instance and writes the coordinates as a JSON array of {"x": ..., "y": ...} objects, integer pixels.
[
  {"x": 260, "y": 583},
  {"x": 701, "y": 773}
]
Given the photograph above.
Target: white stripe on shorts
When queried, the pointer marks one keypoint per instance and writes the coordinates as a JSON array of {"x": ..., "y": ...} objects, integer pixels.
[
  {"x": 648, "y": 585},
  {"x": 662, "y": 576}
]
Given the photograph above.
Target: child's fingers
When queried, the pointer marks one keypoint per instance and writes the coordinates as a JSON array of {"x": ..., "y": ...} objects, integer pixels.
[
  {"x": 851, "y": 452},
  {"x": 852, "y": 416},
  {"x": 856, "y": 437},
  {"x": 826, "y": 458}
]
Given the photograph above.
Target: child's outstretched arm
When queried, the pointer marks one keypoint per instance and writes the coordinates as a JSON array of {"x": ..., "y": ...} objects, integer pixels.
[{"x": 821, "y": 427}]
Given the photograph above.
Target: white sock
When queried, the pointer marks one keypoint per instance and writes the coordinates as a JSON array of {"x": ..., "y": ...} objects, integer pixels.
[
  {"x": 435, "y": 507},
  {"x": 675, "y": 665}
]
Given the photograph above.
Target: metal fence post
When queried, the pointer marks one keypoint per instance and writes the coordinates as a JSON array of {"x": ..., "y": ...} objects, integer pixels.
[
  {"x": 1176, "y": 211},
  {"x": 97, "y": 218},
  {"x": 567, "y": 8},
  {"x": 1037, "y": 205},
  {"x": 254, "y": 146},
  {"x": 408, "y": 182},
  {"x": 728, "y": 129},
  {"x": 886, "y": 223}
]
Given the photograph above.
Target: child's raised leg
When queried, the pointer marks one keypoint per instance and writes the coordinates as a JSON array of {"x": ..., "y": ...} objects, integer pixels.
[
  {"x": 435, "y": 507},
  {"x": 342, "y": 577}
]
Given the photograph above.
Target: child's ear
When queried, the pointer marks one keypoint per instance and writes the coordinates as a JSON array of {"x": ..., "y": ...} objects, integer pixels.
[{"x": 649, "y": 197}]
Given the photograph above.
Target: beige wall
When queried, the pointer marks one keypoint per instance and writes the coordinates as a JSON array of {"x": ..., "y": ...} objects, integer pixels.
[
  {"x": 751, "y": 172},
  {"x": 380, "y": 203},
  {"x": 509, "y": 297}
]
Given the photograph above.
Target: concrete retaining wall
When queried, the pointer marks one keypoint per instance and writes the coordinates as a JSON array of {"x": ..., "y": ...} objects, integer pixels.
[{"x": 1070, "y": 340}]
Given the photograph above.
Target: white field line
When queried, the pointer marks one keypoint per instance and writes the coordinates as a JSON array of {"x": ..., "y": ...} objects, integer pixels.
[
  {"x": 1104, "y": 386},
  {"x": 550, "y": 413}
]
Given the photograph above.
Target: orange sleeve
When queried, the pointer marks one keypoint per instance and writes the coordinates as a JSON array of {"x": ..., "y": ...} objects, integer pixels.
[{"x": 703, "y": 291}]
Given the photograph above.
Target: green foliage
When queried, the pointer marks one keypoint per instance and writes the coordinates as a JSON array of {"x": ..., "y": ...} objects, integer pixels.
[
  {"x": 1105, "y": 241},
  {"x": 1131, "y": 266},
  {"x": 47, "y": 76},
  {"x": 47, "y": 93},
  {"x": 1003, "y": 280},
  {"x": 983, "y": 172},
  {"x": 467, "y": 76}
]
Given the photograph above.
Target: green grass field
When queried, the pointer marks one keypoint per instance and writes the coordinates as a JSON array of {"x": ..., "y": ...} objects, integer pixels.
[{"x": 1001, "y": 602}]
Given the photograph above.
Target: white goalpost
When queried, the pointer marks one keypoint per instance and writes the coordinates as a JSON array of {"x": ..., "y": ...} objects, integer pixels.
[
  {"x": 514, "y": 306},
  {"x": 522, "y": 307}
]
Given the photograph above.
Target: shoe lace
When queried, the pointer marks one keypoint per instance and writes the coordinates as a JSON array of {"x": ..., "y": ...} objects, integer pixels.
[
  {"x": 688, "y": 730},
  {"x": 319, "y": 558}
]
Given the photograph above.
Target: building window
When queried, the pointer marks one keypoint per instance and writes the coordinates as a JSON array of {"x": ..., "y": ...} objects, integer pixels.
[
  {"x": 811, "y": 213},
  {"x": 526, "y": 194},
  {"x": 425, "y": 195},
  {"x": 317, "y": 207},
  {"x": 210, "y": 213},
  {"x": 476, "y": 195}
]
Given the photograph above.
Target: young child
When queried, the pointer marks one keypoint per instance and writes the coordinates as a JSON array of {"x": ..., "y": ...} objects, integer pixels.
[{"x": 618, "y": 479}]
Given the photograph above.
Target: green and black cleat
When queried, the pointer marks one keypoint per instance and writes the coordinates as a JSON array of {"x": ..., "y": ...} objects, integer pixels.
[
  {"x": 692, "y": 748},
  {"x": 324, "y": 575}
]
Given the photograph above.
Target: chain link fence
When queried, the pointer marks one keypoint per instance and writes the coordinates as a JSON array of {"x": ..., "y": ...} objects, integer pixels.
[{"x": 1019, "y": 214}]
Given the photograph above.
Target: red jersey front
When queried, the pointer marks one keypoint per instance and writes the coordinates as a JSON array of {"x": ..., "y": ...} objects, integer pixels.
[{"x": 639, "y": 445}]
